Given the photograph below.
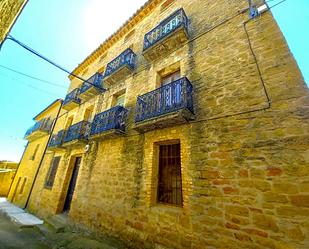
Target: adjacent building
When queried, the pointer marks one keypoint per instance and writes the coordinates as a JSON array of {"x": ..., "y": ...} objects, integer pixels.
[
  {"x": 38, "y": 137},
  {"x": 191, "y": 131},
  {"x": 7, "y": 173}
]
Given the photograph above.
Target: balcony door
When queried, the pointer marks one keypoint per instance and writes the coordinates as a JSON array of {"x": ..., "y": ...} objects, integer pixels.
[
  {"x": 170, "y": 94},
  {"x": 72, "y": 185},
  {"x": 68, "y": 123},
  {"x": 120, "y": 99},
  {"x": 88, "y": 114}
]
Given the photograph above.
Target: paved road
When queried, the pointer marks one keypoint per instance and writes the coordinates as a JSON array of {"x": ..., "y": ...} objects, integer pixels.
[{"x": 14, "y": 237}]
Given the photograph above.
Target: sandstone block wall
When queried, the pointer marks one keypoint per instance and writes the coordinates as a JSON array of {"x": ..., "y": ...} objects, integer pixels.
[
  {"x": 244, "y": 159},
  {"x": 29, "y": 164}
]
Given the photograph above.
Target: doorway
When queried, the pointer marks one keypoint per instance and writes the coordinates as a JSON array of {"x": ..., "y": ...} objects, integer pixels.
[{"x": 70, "y": 193}]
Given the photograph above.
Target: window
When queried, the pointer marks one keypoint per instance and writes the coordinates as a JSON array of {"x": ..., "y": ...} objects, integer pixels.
[
  {"x": 69, "y": 122},
  {"x": 169, "y": 179},
  {"x": 170, "y": 78},
  {"x": 88, "y": 114},
  {"x": 52, "y": 172},
  {"x": 35, "y": 152},
  {"x": 119, "y": 98},
  {"x": 23, "y": 186}
]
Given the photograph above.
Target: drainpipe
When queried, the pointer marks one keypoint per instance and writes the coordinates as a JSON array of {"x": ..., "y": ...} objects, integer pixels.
[{"x": 39, "y": 167}]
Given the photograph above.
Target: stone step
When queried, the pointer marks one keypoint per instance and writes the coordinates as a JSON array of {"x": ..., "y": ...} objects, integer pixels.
[
  {"x": 43, "y": 229},
  {"x": 57, "y": 223}
]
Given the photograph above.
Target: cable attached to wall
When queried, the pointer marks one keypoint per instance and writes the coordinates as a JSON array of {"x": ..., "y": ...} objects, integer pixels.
[{"x": 9, "y": 37}]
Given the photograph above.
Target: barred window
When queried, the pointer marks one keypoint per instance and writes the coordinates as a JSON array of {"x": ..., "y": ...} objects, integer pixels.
[
  {"x": 52, "y": 172},
  {"x": 169, "y": 182}
]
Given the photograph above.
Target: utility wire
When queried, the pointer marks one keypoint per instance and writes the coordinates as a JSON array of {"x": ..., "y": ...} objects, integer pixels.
[
  {"x": 32, "y": 77},
  {"x": 277, "y": 4},
  {"x": 29, "y": 85},
  {"x": 9, "y": 37}
]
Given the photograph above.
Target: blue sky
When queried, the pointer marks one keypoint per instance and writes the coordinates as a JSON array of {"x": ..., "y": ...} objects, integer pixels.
[{"x": 68, "y": 31}]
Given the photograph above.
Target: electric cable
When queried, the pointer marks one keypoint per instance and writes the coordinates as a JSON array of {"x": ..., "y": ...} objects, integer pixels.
[
  {"x": 277, "y": 4},
  {"x": 29, "y": 85},
  {"x": 32, "y": 77},
  {"x": 9, "y": 37}
]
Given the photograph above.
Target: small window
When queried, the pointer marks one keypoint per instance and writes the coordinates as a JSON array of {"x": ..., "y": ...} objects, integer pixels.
[
  {"x": 52, "y": 172},
  {"x": 69, "y": 122},
  {"x": 35, "y": 152},
  {"x": 88, "y": 114},
  {"x": 23, "y": 186},
  {"x": 120, "y": 100},
  {"x": 169, "y": 182}
]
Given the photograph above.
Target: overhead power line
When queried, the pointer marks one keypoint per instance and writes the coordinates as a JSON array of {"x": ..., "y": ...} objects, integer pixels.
[
  {"x": 9, "y": 37},
  {"x": 277, "y": 4},
  {"x": 14, "y": 80},
  {"x": 32, "y": 77}
]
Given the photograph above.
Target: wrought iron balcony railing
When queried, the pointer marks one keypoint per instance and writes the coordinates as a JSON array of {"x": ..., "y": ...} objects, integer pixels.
[
  {"x": 113, "y": 118},
  {"x": 43, "y": 125},
  {"x": 166, "y": 99},
  {"x": 126, "y": 58},
  {"x": 72, "y": 96},
  {"x": 95, "y": 79},
  {"x": 166, "y": 27},
  {"x": 56, "y": 139},
  {"x": 77, "y": 131}
]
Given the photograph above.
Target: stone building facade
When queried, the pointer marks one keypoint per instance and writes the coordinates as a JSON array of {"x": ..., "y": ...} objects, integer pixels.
[
  {"x": 38, "y": 136},
  {"x": 190, "y": 132}
]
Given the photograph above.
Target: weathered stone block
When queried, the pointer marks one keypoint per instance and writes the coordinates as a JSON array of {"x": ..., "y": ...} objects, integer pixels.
[
  {"x": 237, "y": 210},
  {"x": 265, "y": 222},
  {"x": 300, "y": 200}
]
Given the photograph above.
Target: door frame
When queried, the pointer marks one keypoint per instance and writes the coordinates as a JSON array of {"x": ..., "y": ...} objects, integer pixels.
[{"x": 66, "y": 181}]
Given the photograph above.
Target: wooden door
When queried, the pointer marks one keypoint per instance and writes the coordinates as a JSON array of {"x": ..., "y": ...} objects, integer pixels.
[{"x": 70, "y": 193}]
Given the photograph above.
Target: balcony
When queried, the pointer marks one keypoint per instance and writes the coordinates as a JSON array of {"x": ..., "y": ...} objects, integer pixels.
[
  {"x": 168, "y": 105},
  {"x": 55, "y": 142},
  {"x": 170, "y": 34},
  {"x": 72, "y": 100},
  {"x": 77, "y": 134},
  {"x": 120, "y": 67},
  {"x": 39, "y": 129},
  {"x": 88, "y": 91},
  {"x": 109, "y": 123}
]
